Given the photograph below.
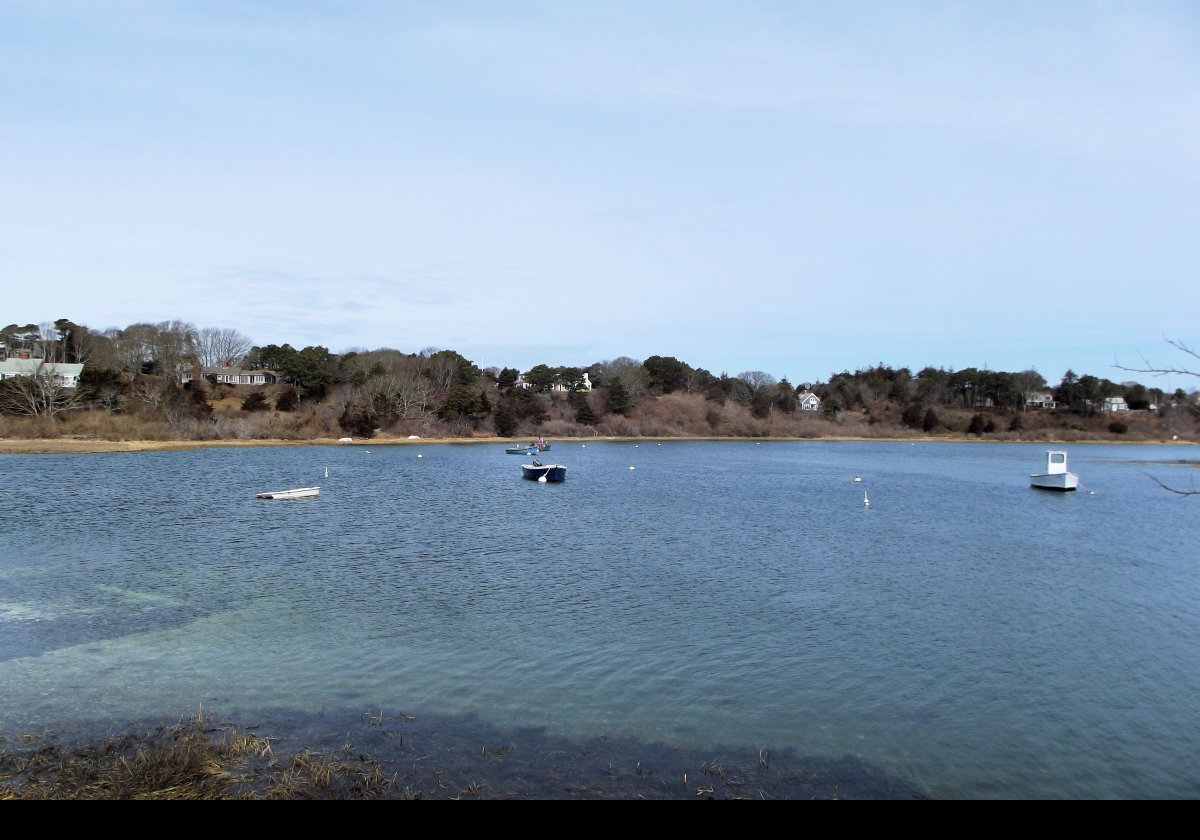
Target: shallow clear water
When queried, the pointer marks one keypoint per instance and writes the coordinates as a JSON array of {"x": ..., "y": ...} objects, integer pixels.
[{"x": 963, "y": 632}]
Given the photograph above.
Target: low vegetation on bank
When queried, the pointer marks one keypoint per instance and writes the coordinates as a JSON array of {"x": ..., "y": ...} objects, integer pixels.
[
  {"x": 672, "y": 415},
  {"x": 171, "y": 382}
]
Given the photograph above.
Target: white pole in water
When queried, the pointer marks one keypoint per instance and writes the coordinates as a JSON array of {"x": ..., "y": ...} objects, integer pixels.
[{"x": 866, "y": 501}]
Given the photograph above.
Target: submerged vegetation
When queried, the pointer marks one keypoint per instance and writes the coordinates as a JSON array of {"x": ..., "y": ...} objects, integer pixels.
[
  {"x": 397, "y": 757},
  {"x": 191, "y": 760}
]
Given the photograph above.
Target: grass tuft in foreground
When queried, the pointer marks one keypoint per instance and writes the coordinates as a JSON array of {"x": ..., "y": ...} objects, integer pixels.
[{"x": 191, "y": 760}]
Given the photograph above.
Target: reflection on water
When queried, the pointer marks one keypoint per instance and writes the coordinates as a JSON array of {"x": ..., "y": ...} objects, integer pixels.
[{"x": 963, "y": 633}]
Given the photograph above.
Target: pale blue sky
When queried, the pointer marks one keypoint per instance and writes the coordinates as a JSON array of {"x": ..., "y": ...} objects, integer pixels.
[{"x": 791, "y": 187}]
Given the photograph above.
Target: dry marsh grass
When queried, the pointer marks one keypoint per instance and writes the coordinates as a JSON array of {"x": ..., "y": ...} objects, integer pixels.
[{"x": 192, "y": 760}]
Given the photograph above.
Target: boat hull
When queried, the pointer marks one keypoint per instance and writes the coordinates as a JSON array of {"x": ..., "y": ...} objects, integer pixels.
[
  {"x": 528, "y": 449},
  {"x": 550, "y": 472},
  {"x": 296, "y": 493},
  {"x": 1055, "y": 481}
]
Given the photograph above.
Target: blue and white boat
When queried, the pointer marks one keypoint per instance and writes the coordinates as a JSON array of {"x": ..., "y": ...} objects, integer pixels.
[
  {"x": 537, "y": 471},
  {"x": 528, "y": 448}
]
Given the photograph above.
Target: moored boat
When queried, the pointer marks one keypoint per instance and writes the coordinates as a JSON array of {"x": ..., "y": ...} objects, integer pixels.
[
  {"x": 296, "y": 493},
  {"x": 1056, "y": 476},
  {"x": 531, "y": 448},
  {"x": 537, "y": 471}
]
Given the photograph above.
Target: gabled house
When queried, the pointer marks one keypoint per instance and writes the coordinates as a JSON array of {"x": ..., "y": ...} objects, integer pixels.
[
  {"x": 19, "y": 367},
  {"x": 66, "y": 375},
  {"x": 231, "y": 375},
  {"x": 808, "y": 401},
  {"x": 1040, "y": 399},
  {"x": 1115, "y": 404},
  {"x": 558, "y": 387}
]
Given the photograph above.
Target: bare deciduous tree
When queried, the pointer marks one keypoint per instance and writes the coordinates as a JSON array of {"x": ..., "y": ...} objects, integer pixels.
[
  {"x": 1166, "y": 371},
  {"x": 218, "y": 346},
  {"x": 44, "y": 393}
]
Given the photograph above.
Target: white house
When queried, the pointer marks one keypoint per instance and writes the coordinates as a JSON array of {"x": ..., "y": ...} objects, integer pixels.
[
  {"x": 67, "y": 375},
  {"x": 1040, "y": 399},
  {"x": 557, "y": 387},
  {"x": 1115, "y": 404},
  {"x": 19, "y": 367},
  {"x": 808, "y": 401},
  {"x": 232, "y": 376},
  {"x": 587, "y": 384}
]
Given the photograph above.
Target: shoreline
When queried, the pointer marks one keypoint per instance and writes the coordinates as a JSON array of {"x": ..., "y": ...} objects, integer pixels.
[
  {"x": 290, "y": 754},
  {"x": 88, "y": 446}
]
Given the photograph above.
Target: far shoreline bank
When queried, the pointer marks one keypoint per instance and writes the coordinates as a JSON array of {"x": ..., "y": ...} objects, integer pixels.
[{"x": 90, "y": 446}]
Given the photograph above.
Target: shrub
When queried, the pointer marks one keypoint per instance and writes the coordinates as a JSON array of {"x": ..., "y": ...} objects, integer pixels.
[
  {"x": 255, "y": 401},
  {"x": 505, "y": 422},
  {"x": 287, "y": 399},
  {"x": 586, "y": 416},
  {"x": 358, "y": 421},
  {"x": 1117, "y": 427},
  {"x": 913, "y": 415}
]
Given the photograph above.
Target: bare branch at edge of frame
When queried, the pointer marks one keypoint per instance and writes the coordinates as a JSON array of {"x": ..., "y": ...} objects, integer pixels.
[
  {"x": 1157, "y": 371},
  {"x": 1175, "y": 490}
]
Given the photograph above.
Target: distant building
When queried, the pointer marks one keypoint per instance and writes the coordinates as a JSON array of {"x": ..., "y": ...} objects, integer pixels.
[
  {"x": 231, "y": 375},
  {"x": 586, "y": 385},
  {"x": 67, "y": 375},
  {"x": 1115, "y": 404},
  {"x": 808, "y": 401},
  {"x": 1040, "y": 399}
]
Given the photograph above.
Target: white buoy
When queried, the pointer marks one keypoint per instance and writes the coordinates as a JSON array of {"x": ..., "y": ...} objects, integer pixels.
[
  {"x": 327, "y": 472},
  {"x": 420, "y": 456},
  {"x": 633, "y": 468},
  {"x": 866, "y": 501},
  {"x": 542, "y": 478},
  {"x": 856, "y": 478}
]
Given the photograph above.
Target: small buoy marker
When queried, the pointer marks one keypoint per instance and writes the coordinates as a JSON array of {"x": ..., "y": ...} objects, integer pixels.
[
  {"x": 856, "y": 478},
  {"x": 866, "y": 501},
  {"x": 327, "y": 472},
  {"x": 633, "y": 468}
]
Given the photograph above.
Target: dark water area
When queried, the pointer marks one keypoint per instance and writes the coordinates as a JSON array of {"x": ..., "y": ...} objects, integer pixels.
[
  {"x": 732, "y": 612},
  {"x": 464, "y": 757}
]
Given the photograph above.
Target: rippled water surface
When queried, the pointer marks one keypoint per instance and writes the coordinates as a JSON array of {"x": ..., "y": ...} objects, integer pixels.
[{"x": 962, "y": 632}]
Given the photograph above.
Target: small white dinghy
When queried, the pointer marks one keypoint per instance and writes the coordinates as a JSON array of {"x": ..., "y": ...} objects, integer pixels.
[
  {"x": 1056, "y": 476},
  {"x": 297, "y": 493}
]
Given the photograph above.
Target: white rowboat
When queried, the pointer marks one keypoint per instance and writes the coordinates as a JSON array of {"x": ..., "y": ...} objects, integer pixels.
[{"x": 297, "y": 493}]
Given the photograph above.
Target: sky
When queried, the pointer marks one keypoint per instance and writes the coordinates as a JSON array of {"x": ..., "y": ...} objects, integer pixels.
[{"x": 798, "y": 188}]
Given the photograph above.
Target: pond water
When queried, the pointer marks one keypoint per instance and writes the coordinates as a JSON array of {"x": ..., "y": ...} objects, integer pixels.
[{"x": 963, "y": 634}]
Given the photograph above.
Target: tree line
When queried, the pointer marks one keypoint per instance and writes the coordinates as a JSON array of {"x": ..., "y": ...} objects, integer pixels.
[{"x": 149, "y": 369}]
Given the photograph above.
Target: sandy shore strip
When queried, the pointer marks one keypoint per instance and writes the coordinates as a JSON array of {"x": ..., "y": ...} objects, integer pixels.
[{"x": 87, "y": 445}]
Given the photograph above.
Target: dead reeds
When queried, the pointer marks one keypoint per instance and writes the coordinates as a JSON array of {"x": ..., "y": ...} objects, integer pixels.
[{"x": 191, "y": 760}]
